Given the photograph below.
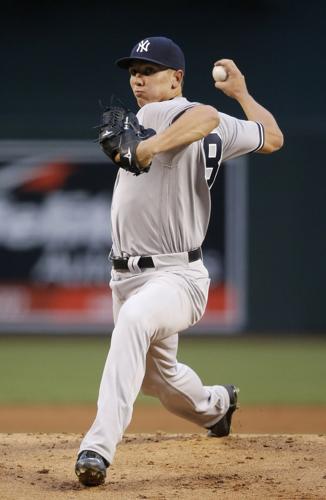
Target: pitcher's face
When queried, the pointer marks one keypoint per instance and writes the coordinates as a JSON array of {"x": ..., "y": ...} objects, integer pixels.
[{"x": 154, "y": 83}]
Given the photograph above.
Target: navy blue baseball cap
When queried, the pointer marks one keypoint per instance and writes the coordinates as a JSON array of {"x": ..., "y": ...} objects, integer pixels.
[{"x": 155, "y": 49}]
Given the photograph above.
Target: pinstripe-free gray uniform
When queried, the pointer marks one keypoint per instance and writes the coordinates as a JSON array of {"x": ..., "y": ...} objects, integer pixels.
[{"x": 163, "y": 214}]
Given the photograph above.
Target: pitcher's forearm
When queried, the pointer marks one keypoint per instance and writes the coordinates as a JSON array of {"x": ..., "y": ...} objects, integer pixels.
[{"x": 192, "y": 126}]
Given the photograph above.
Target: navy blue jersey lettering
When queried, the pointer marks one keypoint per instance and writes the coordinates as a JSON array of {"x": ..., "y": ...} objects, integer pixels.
[{"x": 213, "y": 151}]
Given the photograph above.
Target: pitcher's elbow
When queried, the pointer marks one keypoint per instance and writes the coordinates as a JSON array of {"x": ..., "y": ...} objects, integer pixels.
[
  {"x": 279, "y": 141},
  {"x": 272, "y": 143},
  {"x": 212, "y": 116}
]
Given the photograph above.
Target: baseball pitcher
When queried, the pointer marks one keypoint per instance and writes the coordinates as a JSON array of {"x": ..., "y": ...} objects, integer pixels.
[{"x": 168, "y": 156}]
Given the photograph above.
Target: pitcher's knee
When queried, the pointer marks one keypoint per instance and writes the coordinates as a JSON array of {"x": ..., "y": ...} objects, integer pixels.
[
  {"x": 152, "y": 385},
  {"x": 148, "y": 388}
]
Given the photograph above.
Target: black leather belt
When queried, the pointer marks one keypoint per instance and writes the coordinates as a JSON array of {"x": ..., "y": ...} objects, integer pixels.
[{"x": 119, "y": 263}]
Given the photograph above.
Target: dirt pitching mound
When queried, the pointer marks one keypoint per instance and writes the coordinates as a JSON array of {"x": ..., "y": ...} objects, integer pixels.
[{"x": 166, "y": 466}]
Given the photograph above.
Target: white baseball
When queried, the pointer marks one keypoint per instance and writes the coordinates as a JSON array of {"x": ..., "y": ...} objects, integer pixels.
[{"x": 219, "y": 74}]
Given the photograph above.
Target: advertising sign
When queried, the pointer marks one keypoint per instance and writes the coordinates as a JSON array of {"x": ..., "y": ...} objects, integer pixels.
[{"x": 55, "y": 238}]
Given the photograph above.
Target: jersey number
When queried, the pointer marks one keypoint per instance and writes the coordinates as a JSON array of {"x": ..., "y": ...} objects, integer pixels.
[{"x": 213, "y": 151}]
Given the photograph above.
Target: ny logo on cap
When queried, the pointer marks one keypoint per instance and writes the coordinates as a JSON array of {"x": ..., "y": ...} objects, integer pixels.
[{"x": 143, "y": 46}]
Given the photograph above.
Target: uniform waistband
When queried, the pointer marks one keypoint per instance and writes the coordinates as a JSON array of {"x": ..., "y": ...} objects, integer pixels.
[{"x": 122, "y": 263}]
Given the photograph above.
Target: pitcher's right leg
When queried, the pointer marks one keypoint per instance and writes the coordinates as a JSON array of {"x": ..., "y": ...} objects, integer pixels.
[{"x": 180, "y": 389}]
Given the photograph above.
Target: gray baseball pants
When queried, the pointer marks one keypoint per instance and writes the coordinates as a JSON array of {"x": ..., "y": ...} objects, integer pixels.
[{"x": 150, "y": 307}]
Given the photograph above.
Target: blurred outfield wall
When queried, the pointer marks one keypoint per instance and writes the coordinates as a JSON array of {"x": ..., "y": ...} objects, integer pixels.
[{"x": 58, "y": 61}]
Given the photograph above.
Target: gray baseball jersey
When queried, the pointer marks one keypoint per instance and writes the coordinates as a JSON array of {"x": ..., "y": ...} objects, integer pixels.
[{"x": 167, "y": 210}]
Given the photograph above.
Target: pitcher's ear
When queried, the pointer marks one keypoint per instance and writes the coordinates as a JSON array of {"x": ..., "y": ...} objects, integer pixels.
[{"x": 177, "y": 78}]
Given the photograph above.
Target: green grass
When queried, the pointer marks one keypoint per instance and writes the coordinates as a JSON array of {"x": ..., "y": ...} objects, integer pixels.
[
  {"x": 68, "y": 370},
  {"x": 270, "y": 371}
]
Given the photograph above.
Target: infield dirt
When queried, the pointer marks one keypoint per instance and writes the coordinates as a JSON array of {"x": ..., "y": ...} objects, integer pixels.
[
  {"x": 287, "y": 459},
  {"x": 167, "y": 466},
  {"x": 152, "y": 418}
]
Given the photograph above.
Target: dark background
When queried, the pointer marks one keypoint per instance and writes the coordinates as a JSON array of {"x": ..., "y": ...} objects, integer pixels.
[{"x": 57, "y": 62}]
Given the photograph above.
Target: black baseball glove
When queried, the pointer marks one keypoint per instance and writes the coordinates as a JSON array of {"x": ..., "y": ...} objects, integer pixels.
[{"x": 120, "y": 133}]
